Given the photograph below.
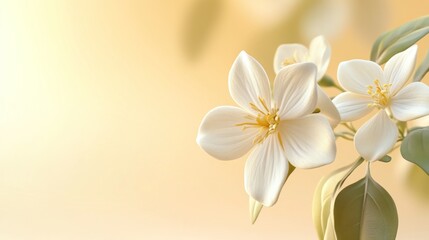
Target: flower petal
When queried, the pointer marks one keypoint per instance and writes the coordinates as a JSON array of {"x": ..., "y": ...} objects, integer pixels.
[
  {"x": 320, "y": 54},
  {"x": 248, "y": 83},
  {"x": 327, "y": 108},
  {"x": 376, "y": 137},
  {"x": 220, "y": 136},
  {"x": 295, "y": 90},
  {"x": 352, "y": 106},
  {"x": 265, "y": 171},
  {"x": 309, "y": 142},
  {"x": 399, "y": 68},
  {"x": 356, "y": 75},
  {"x": 411, "y": 102},
  {"x": 289, "y": 52}
]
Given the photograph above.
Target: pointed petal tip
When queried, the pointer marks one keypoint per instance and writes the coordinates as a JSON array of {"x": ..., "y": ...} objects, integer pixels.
[
  {"x": 295, "y": 90},
  {"x": 248, "y": 82},
  {"x": 376, "y": 137},
  {"x": 265, "y": 171},
  {"x": 303, "y": 66},
  {"x": 320, "y": 38},
  {"x": 411, "y": 102},
  {"x": 243, "y": 53}
]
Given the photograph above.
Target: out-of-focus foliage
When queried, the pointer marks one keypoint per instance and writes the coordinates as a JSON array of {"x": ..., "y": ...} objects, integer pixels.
[
  {"x": 422, "y": 69},
  {"x": 199, "y": 25},
  {"x": 415, "y": 148},
  {"x": 399, "y": 39}
]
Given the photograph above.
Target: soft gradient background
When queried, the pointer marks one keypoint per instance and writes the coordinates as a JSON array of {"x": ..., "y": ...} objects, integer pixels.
[{"x": 100, "y": 102}]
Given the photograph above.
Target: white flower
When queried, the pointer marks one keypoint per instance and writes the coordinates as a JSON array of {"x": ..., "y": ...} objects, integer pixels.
[
  {"x": 319, "y": 54},
  {"x": 369, "y": 87},
  {"x": 276, "y": 122}
]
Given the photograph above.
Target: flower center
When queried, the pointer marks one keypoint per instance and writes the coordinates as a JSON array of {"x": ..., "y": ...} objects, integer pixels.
[
  {"x": 379, "y": 94},
  {"x": 289, "y": 61},
  {"x": 266, "y": 120},
  {"x": 293, "y": 59}
]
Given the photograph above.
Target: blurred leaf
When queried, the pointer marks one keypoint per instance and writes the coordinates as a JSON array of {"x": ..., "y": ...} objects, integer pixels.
[
  {"x": 422, "y": 69},
  {"x": 265, "y": 43},
  {"x": 417, "y": 182},
  {"x": 386, "y": 159},
  {"x": 399, "y": 39},
  {"x": 414, "y": 129},
  {"x": 255, "y": 207},
  {"x": 415, "y": 148},
  {"x": 326, "y": 81},
  {"x": 365, "y": 210},
  {"x": 322, "y": 199},
  {"x": 199, "y": 24},
  {"x": 370, "y": 17}
]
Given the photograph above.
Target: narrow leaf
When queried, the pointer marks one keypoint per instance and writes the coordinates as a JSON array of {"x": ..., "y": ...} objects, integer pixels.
[
  {"x": 415, "y": 148},
  {"x": 365, "y": 210},
  {"x": 402, "y": 44},
  {"x": 399, "y": 39},
  {"x": 422, "y": 69},
  {"x": 322, "y": 199},
  {"x": 324, "y": 195}
]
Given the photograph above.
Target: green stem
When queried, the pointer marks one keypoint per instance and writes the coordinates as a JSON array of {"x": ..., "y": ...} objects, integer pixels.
[
  {"x": 343, "y": 136},
  {"x": 338, "y": 87},
  {"x": 350, "y": 127},
  {"x": 358, "y": 162}
]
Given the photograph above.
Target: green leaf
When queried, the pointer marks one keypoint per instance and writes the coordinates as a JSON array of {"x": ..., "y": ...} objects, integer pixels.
[
  {"x": 422, "y": 69},
  {"x": 386, "y": 159},
  {"x": 399, "y": 39},
  {"x": 322, "y": 199},
  {"x": 364, "y": 210},
  {"x": 415, "y": 148},
  {"x": 326, "y": 81}
]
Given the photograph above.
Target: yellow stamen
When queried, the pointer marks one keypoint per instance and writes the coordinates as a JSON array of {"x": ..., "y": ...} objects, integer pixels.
[
  {"x": 379, "y": 94},
  {"x": 291, "y": 60},
  {"x": 267, "y": 121},
  {"x": 288, "y": 61}
]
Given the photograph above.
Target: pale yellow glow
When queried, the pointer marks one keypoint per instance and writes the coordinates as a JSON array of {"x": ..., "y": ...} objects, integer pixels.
[{"x": 99, "y": 111}]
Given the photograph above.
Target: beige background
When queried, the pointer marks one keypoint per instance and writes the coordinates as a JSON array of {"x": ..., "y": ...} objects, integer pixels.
[{"x": 100, "y": 103}]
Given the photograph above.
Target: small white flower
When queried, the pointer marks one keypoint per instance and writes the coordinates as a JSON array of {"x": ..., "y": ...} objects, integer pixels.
[
  {"x": 369, "y": 87},
  {"x": 276, "y": 122},
  {"x": 319, "y": 53}
]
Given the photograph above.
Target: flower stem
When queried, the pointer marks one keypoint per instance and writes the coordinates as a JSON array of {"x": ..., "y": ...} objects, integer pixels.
[
  {"x": 358, "y": 162},
  {"x": 346, "y": 135},
  {"x": 338, "y": 87},
  {"x": 350, "y": 127}
]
